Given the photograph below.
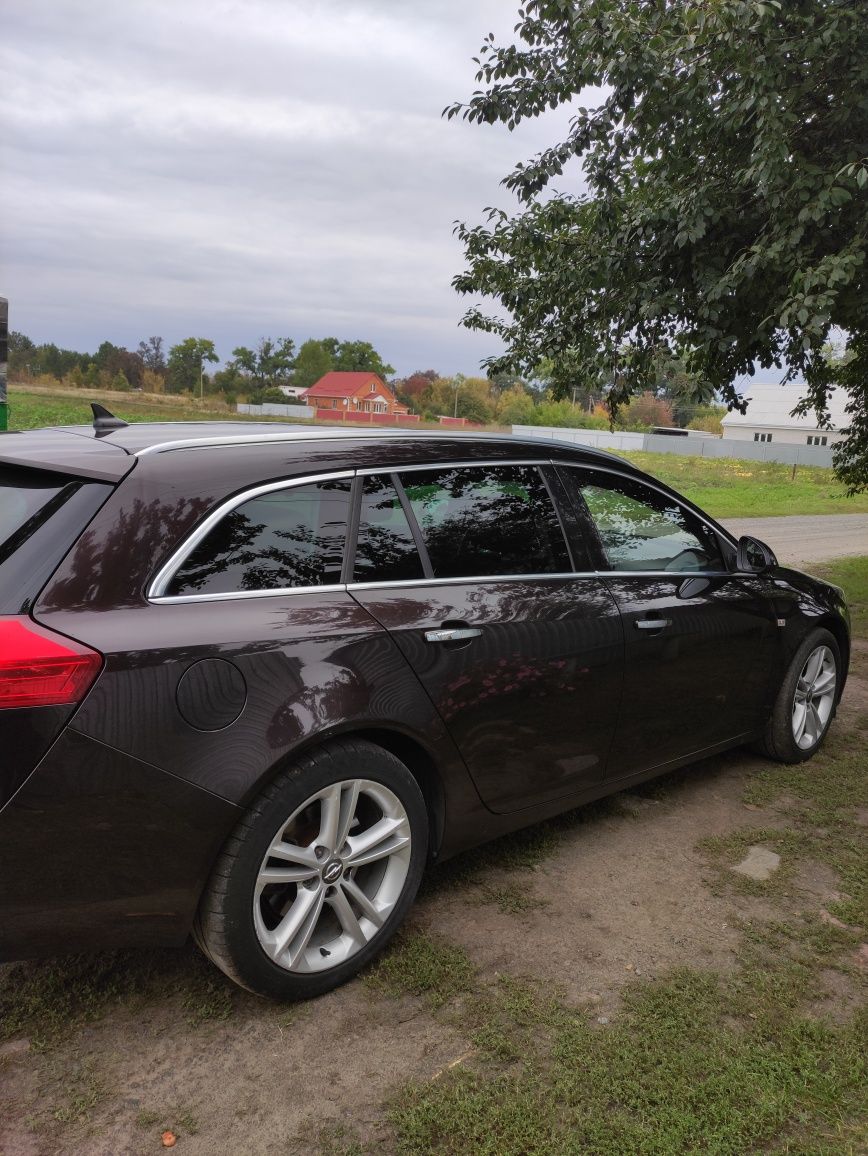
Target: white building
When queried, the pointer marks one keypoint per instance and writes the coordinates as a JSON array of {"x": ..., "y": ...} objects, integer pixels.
[{"x": 768, "y": 418}]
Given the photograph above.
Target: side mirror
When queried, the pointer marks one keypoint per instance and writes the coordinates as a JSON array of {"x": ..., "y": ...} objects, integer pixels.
[{"x": 754, "y": 556}]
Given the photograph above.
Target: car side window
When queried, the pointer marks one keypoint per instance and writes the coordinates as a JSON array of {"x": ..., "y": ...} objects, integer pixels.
[
  {"x": 385, "y": 547},
  {"x": 481, "y": 520},
  {"x": 281, "y": 539},
  {"x": 643, "y": 529}
]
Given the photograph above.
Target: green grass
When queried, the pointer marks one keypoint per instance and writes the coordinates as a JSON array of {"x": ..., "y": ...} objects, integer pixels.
[
  {"x": 671, "y": 1075},
  {"x": 728, "y": 488},
  {"x": 34, "y": 410},
  {"x": 852, "y": 575},
  {"x": 418, "y": 964},
  {"x": 48, "y": 1000}
]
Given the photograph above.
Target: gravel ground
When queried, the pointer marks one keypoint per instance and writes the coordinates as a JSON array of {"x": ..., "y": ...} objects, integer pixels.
[{"x": 797, "y": 541}]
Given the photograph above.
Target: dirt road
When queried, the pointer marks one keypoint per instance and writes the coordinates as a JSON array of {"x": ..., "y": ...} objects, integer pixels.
[{"x": 797, "y": 541}]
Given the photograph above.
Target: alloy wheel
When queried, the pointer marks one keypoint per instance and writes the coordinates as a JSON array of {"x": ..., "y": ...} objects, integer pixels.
[
  {"x": 332, "y": 875},
  {"x": 814, "y": 698}
]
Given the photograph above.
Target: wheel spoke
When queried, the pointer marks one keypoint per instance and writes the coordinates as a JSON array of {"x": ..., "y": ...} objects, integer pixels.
[
  {"x": 383, "y": 839},
  {"x": 349, "y": 802},
  {"x": 330, "y": 816},
  {"x": 800, "y": 717},
  {"x": 812, "y": 666},
  {"x": 293, "y": 932},
  {"x": 348, "y": 920},
  {"x": 290, "y": 853},
  {"x": 363, "y": 902},
  {"x": 285, "y": 875},
  {"x": 825, "y": 682}
]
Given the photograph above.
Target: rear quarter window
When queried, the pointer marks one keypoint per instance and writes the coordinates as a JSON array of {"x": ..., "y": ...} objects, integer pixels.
[
  {"x": 42, "y": 515},
  {"x": 282, "y": 539},
  {"x": 27, "y": 498}
]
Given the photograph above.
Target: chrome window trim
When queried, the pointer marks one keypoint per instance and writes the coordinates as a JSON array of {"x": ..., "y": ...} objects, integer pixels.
[
  {"x": 178, "y": 557},
  {"x": 677, "y": 575},
  {"x": 350, "y": 587},
  {"x": 172, "y": 599}
]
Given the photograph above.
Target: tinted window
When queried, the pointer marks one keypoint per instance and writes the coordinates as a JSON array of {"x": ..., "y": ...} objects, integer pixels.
[
  {"x": 643, "y": 529},
  {"x": 487, "y": 520},
  {"x": 292, "y": 537},
  {"x": 27, "y": 498},
  {"x": 385, "y": 549}
]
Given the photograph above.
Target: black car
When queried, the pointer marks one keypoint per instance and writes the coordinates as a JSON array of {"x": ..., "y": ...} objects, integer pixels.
[{"x": 254, "y": 678}]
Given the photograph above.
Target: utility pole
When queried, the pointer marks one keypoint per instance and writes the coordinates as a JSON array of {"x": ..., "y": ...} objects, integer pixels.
[
  {"x": 4, "y": 353},
  {"x": 457, "y": 387},
  {"x": 201, "y": 386}
]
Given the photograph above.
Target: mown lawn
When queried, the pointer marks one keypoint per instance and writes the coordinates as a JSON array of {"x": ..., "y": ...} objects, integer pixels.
[
  {"x": 739, "y": 489},
  {"x": 33, "y": 410}
]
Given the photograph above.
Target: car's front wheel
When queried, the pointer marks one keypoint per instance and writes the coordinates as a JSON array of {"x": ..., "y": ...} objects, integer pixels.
[
  {"x": 318, "y": 875},
  {"x": 806, "y": 701}
]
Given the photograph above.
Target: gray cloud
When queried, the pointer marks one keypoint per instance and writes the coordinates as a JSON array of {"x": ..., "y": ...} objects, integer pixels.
[{"x": 245, "y": 167}]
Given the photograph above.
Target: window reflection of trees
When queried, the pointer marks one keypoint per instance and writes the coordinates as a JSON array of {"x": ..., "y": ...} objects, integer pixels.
[
  {"x": 483, "y": 520},
  {"x": 385, "y": 549},
  {"x": 244, "y": 553},
  {"x": 647, "y": 533}
]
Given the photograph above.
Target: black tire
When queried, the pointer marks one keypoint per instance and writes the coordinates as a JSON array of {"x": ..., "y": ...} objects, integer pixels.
[
  {"x": 779, "y": 741},
  {"x": 231, "y": 927}
]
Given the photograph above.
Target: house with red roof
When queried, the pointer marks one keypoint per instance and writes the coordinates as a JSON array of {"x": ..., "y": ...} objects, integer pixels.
[{"x": 353, "y": 393}]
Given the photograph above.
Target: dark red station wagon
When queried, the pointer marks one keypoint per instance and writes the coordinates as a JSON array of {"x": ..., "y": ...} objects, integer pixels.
[{"x": 254, "y": 678}]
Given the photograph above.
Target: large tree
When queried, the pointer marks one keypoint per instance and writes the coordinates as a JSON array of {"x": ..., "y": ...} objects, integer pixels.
[
  {"x": 269, "y": 364},
  {"x": 312, "y": 363},
  {"x": 186, "y": 362},
  {"x": 724, "y": 149}
]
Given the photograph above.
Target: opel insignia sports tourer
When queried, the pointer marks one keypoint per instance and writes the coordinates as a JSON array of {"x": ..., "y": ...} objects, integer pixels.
[{"x": 254, "y": 678}]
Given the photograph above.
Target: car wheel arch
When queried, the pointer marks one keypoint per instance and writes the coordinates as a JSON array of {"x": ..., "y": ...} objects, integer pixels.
[
  {"x": 839, "y": 632},
  {"x": 417, "y": 758}
]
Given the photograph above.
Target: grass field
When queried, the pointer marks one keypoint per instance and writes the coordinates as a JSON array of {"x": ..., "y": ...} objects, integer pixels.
[
  {"x": 725, "y": 489},
  {"x": 740, "y": 489}
]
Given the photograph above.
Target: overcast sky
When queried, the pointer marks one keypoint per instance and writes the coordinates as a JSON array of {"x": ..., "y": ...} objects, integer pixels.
[{"x": 236, "y": 168}]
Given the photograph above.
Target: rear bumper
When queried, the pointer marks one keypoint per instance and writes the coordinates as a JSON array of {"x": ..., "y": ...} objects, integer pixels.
[{"x": 100, "y": 850}]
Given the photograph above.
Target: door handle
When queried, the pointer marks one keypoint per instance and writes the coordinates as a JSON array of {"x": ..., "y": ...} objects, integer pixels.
[
  {"x": 652, "y": 623},
  {"x": 452, "y": 634}
]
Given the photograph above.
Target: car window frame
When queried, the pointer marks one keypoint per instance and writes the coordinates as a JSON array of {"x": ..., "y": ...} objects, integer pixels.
[
  {"x": 164, "y": 575},
  {"x": 584, "y": 547},
  {"x": 548, "y": 476},
  {"x": 726, "y": 547}
]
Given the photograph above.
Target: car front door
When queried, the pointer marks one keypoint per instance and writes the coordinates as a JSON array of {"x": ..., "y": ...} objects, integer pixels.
[
  {"x": 700, "y": 641},
  {"x": 468, "y": 569}
]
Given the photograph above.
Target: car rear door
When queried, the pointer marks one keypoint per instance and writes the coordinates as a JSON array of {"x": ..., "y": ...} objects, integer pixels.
[
  {"x": 701, "y": 642},
  {"x": 468, "y": 569}
]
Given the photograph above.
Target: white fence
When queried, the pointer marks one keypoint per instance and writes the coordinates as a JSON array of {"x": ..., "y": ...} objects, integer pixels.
[
  {"x": 701, "y": 447},
  {"x": 269, "y": 409}
]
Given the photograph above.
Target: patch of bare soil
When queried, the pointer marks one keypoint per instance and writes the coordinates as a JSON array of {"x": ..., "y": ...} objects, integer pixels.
[{"x": 623, "y": 896}]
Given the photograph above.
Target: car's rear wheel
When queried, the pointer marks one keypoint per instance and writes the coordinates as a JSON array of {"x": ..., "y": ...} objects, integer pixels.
[
  {"x": 318, "y": 875},
  {"x": 806, "y": 701}
]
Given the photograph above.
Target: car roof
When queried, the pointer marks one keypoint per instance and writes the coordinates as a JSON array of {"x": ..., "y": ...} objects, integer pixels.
[{"x": 84, "y": 448}]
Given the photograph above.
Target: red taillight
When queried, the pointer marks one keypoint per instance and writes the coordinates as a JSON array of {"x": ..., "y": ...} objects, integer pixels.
[{"x": 41, "y": 668}]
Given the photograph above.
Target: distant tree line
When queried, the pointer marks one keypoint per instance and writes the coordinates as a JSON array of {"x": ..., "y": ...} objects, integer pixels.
[
  {"x": 184, "y": 368},
  {"x": 258, "y": 374}
]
